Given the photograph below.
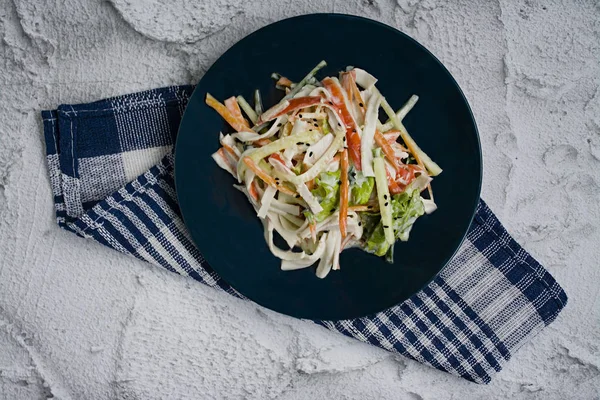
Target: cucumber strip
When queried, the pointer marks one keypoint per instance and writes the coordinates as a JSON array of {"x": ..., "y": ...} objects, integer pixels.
[
  {"x": 385, "y": 201},
  {"x": 247, "y": 109}
]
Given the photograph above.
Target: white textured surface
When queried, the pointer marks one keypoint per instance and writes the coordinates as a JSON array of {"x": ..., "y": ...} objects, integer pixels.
[{"x": 81, "y": 321}]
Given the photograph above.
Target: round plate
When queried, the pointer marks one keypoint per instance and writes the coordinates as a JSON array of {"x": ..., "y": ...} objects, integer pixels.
[{"x": 223, "y": 224}]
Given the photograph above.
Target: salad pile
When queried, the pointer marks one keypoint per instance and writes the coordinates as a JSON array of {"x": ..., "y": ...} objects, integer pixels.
[{"x": 323, "y": 171}]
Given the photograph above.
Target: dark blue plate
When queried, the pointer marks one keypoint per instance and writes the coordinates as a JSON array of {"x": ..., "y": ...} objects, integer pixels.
[{"x": 223, "y": 224}]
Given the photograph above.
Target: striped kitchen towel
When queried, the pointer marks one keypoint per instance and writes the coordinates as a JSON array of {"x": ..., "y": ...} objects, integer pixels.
[{"x": 111, "y": 170}]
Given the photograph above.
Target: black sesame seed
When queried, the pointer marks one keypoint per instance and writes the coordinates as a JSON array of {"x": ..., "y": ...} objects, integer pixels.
[
  {"x": 339, "y": 182},
  {"x": 385, "y": 196},
  {"x": 279, "y": 124},
  {"x": 297, "y": 196},
  {"x": 300, "y": 115},
  {"x": 386, "y": 204},
  {"x": 310, "y": 130},
  {"x": 352, "y": 216},
  {"x": 360, "y": 223},
  {"x": 310, "y": 154},
  {"x": 370, "y": 207},
  {"x": 344, "y": 138},
  {"x": 298, "y": 144},
  {"x": 316, "y": 125},
  {"x": 386, "y": 226},
  {"x": 361, "y": 105},
  {"x": 314, "y": 120}
]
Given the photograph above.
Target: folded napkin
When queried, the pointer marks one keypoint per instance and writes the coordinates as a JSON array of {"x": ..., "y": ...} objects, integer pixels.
[{"x": 111, "y": 169}]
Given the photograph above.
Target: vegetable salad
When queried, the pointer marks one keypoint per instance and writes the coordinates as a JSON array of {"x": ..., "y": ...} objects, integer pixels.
[{"x": 323, "y": 171}]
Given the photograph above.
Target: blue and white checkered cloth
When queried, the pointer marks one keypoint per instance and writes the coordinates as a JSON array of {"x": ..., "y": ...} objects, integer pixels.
[{"x": 111, "y": 170}]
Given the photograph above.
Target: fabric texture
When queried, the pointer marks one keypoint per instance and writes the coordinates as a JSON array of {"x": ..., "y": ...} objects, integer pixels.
[{"x": 111, "y": 170}]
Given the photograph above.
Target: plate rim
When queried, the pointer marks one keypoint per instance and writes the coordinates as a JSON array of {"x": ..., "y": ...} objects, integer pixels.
[{"x": 476, "y": 199}]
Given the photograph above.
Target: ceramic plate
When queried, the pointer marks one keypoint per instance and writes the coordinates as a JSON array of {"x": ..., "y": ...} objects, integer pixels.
[{"x": 223, "y": 224}]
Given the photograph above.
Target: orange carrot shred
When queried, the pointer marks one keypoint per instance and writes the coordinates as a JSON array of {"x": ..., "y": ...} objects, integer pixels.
[
  {"x": 266, "y": 177},
  {"x": 236, "y": 123},
  {"x": 386, "y": 147},
  {"x": 234, "y": 108}
]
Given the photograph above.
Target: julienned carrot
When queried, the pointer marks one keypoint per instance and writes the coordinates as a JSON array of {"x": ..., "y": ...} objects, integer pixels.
[
  {"x": 386, "y": 147},
  {"x": 262, "y": 142},
  {"x": 235, "y": 123},
  {"x": 352, "y": 91},
  {"x": 253, "y": 191},
  {"x": 344, "y": 192},
  {"x": 226, "y": 159},
  {"x": 392, "y": 136},
  {"x": 230, "y": 150},
  {"x": 234, "y": 108},
  {"x": 394, "y": 186},
  {"x": 283, "y": 81},
  {"x": 352, "y": 136},
  {"x": 346, "y": 84},
  {"x": 268, "y": 179}
]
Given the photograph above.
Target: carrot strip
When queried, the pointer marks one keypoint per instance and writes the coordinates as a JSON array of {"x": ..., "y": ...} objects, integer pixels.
[
  {"x": 352, "y": 91},
  {"x": 236, "y": 123},
  {"x": 283, "y": 81},
  {"x": 262, "y": 142},
  {"x": 344, "y": 192},
  {"x": 234, "y": 108},
  {"x": 392, "y": 136},
  {"x": 394, "y": 186},
  {"x": 386, "y": 147},
  {"x": 253, "y": 191},
  {"x": 268, "y": 179},
  {"x": 277, "y": 157},
  {"x": 230, "y": 150},
  {"x": 226, "y": 159},
  {"x": 352, "y": 137}
]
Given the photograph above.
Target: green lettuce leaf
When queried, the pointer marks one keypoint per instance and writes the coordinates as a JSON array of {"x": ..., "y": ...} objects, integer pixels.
[
  {"x": 376, "y": 242},
  {"x": 327, "y": 192},
  {"x": 361, "y": 187},
  {"x": 406, "y": 208}
]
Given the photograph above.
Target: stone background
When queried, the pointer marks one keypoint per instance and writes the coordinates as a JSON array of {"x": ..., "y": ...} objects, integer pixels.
[{"x": 79, "y": 321}]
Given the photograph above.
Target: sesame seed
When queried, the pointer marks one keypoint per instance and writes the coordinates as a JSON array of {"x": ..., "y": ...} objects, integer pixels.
[
  {"x": 339, "y": 182},
  {"x": 314, "y": 120},
  {"x": 361, "y": 105},
  {"x": 279, "y": 124},
  {"x": 300, "y": 115},
  {"x": 360, "y": 224},
  {"x": 298, "y": 144},
  {"x": 386, "y": 204},
  {"x": 370, "y": 207},
  {"x": 310, "y": 154},
  {"x": 385, "y": 196},
  {"x": 297, "y": 196},
  {"x": 351, "y": 216},
  {"x": 316, "y": 125},
  {"x": 385, "y": 226}
]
